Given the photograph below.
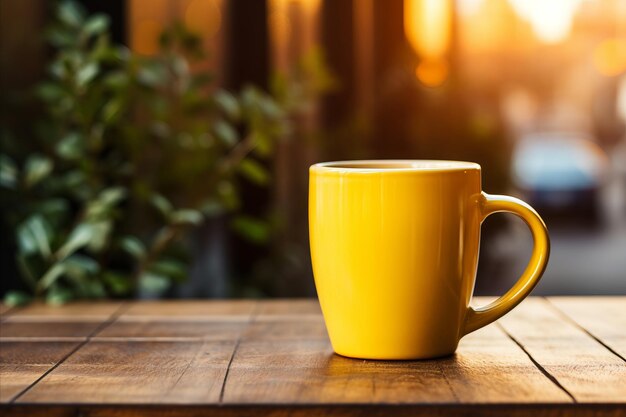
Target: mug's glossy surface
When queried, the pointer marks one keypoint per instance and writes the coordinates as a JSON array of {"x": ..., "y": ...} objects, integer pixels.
[{"x": 394, "y": 247}]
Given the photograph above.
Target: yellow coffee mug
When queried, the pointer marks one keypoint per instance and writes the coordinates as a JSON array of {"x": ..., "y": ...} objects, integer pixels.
[{"x": 394, "y": 247}]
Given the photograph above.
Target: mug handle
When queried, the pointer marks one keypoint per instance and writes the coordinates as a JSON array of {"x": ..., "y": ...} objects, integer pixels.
[{"x": 489, "y": 204}]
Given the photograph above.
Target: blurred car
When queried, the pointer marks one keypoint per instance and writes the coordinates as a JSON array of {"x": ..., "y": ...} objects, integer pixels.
[{"x": 560, "y": 173}]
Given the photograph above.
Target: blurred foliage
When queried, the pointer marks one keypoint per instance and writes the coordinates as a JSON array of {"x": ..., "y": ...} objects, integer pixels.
[{"x": 131, "y": 154}]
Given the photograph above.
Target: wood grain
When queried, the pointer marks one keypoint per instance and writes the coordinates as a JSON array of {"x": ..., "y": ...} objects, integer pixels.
[
  {"x": 220, "y": 310},
  {"x": 21, "y": 363},
  {"x": 327, "y": 410},
  {"x": 137, "y": 372},
  {"x": 172, "y": 358},
  {"x": 199, "y": 330},
  {"x": 603, "y": 317},
  {"x": 76, "y": 311},
  {"x": 46, "y": 330},
  {"x": 289, "y": 310},
  {"x": 283, "y": 330},
  {"x": 584, "y": 367},
  {"x": 307, "y": 371},
  {"x": 4, "y": 310},
  {"x": 489, "y": 367}
]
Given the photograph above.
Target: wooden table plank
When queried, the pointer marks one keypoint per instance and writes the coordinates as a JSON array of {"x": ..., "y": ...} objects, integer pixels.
[
  {"x": 585, "y": 368},
  {"x": 490, "y": 368},
  {"x": 289, "y": 310},
  {"x": 176, "y": 310},
  {"x": 325, "y": 410},
  {"x": 76, "y": 311},
  {"x": 307, "y": 372},
  {"x": 274, "y": 367},
  {"x": 125, "y": 329},
  {"x": 4, "y": 309},
  {"x": 173, "y": 357},
  {"x": 286, "y": 330},
  {"x": 22, "y": 363},
  {"x": 603, "y": 317},
  {"x": 134, "y": 372},
  {"x": 46, "y": 330}
]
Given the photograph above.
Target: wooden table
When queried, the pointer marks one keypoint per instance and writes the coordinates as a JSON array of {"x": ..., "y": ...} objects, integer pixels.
[{"x": 554, "y": 356}]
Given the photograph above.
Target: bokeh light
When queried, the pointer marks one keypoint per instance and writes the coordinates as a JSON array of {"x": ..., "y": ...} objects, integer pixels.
[
  {"x": 427, "y": 25},
  {"x": 609, "y": 57},
  {"x": 146, "y": 36},
  {"x": 203, "y": 16},
  {"x": 432, "y": 72},
  {"x": 551, "y": 20}
]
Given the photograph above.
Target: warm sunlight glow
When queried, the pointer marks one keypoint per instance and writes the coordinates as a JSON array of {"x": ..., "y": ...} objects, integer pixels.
[
  {"x": 279, "y": 24},
  {"x": 203, "y": 17},
  {"x": 427, "y": 25},
  {"x": 609, "y": 57},
  {"x": 551, "y": 20},
  {"x": 146, "y": 36},
  {"x": 432, "y": 73}
]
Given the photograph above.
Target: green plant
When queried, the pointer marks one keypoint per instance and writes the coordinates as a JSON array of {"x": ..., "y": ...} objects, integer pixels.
[{"x": 131, "y": 153}]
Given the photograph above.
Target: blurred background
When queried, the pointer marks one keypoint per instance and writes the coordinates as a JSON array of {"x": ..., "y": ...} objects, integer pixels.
[{"x": 160, "y": 148}]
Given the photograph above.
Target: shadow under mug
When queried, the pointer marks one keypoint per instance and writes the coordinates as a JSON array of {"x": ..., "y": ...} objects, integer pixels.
[{"x": 394, "y": 247}]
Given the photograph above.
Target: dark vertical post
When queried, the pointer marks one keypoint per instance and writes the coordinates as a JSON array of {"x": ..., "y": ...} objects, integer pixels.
[
  {"x": 247, "y": 51},
  {"x": 339, "y": 46},
  {"x": 22, "y": 65},
  {"x": 246, "y": 61},
  {"x": 394, "y": 95}
]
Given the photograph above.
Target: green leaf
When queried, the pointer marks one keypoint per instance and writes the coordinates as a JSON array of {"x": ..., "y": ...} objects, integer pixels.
[
  {"x": 50, "y": 92},
  {"x": 119, "y": 283},
  {"x": 270, "y": 108},
  {"x": 16, "y": 298},
  {"x": 101, "y": 232},
  {"x": 228, "y": 195},
  {"x": 116, "y": 80},
  {"x": 212, "y": 208},
  {"x": 151, "y": 75},
  {"x": 186, "y": 216},
  {"x": 100, "y": 208},
  {"x": 60, "y": 37},
  {"x": 70, "y": 13},
  {"x": 250, "y": 97},
  {"x": 24, "y": 266},
  {"x": 162, "y": 204},
  {"x": 33, "y": 235},
  {"x": 228, "y": 104},
  {"x": 133, "y": 246},
  {"x": 54, "y": 210},
  {"x": 263, "y": 143},
  {"x": 81, "y": 265},
  {"x": 86, "y": 74},
  {"x": 112, "y": 110},
  {"x": 153, "y": 283},
  {"x": 96, "y": 25},
  {"x": 79, "y": 238},
  {"x": 163, "y": 237},
  {"x": 58, "y": 296},
  {"x": 225, "y": 133},
  {"x": 37, "y": 167},
  {"x": 254, "y": 171},
  {"x": 254, "y": 230},
  {"x": 70, "y": 147},
  {"x": 112, "y": 196},
  {"x": 95, "y": 289},
  {"x": 170, "y": 268},
  {"x": 8, "y": 172},
  {"x": 51, "y": 276}
]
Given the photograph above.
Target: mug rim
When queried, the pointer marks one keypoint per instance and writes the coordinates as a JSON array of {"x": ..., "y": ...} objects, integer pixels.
[{"x": 394, "y": 165}]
